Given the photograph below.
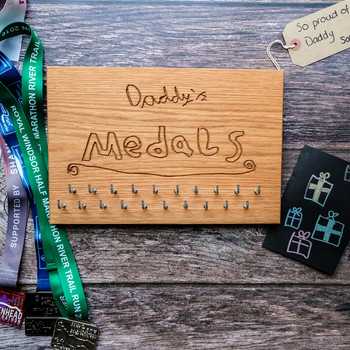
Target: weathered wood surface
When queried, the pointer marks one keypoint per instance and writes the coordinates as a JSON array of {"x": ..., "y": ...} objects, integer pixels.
[
  {"x": 169, "y": 317},
  {"x": 202, "y": 34},
  {"x": 142, "y": 282}
]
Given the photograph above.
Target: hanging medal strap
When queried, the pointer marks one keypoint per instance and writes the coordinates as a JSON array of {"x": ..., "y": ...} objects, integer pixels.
[
  {"x": 64, "y": 277},
  {"x": 18, "y": 211},
  {"x": 12, "y": 79},
  {"x": 63, "y": 272},
  {"x": 43, "y": 281},
  {"x": 32, "y": 82}
]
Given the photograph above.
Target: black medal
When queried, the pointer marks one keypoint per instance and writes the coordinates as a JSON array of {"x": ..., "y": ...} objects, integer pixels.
[
  {"x": 41, "y": 314},
  {"x": 72, "y": 334}
]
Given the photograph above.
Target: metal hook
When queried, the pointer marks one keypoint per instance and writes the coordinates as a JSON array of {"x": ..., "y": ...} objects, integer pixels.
[
  {"x": 144, "y": 205},
  {"x": 177, "y": 190},
  {"x": 113, "y": 189},
  {"x": 195, "y": 189},
  {"x": 123, "y": 205},
  {"x": 61, "y": 205},
  {"x": 103, "y": 205},
  {"x": 165, "y": 205},
  {"x": 226, "y": 205},
  {"x": 246, "y": 205},
  {"x": 185, "y": 204},
  {"x": 92, "y": 189},
  {"x": 257, "y": 191},
  {"x": 237, "y": 190},
  {"x": 216, "y": 190},
  {"x": 81, "y": 205},
  {"x": 72, "y": 189},
  {"x": 134, "y": 190},
  {"x": 155, "y": 189},
  {"x": 206, "y": 205},
  {"x": 285, "y": 46}
]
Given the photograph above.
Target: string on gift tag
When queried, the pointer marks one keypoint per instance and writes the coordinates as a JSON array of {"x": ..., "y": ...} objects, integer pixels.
[
  {"x": 269, "y": 51},
  {"x": 316, "y": 36}
]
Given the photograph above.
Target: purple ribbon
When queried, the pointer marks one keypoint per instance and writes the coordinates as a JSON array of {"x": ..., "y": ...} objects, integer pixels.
[{"x": 18, "y": 211}]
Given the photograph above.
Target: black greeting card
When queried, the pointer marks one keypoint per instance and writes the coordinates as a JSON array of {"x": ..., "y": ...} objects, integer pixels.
[{"x": 315, "y": 219}]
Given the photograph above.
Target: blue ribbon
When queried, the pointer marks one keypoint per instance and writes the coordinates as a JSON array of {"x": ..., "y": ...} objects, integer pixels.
[{"x": 11, "y": 78}]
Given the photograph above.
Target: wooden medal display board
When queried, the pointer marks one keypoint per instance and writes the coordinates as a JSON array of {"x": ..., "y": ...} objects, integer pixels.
[{"x": 164, "y": 145}]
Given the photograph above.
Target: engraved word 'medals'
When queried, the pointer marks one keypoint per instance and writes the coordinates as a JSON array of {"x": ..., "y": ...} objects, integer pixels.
[
  {"x": 133, "y": 147},
  {"x": 137, "y": 99}
]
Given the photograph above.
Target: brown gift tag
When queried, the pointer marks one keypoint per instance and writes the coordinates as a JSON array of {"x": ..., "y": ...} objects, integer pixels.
[{"x": 319, "y": 35}]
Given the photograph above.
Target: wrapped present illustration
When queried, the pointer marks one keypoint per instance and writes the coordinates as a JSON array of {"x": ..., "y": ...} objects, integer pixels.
[
  {"x": 294, "y": 218},
  {"x": 347, "y": 174},
  {"x": 328, "y": 230},
  {"x": 300, "y": 244},
  {"x": 318, "y": 189}
]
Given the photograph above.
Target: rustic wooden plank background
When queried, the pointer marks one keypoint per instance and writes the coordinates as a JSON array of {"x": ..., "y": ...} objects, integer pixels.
[{"x": 201, "y": 287}]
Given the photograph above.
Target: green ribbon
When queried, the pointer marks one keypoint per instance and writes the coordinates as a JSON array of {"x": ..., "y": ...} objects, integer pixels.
[
  {"x": 29, "y": 123},
  {"x": 32, "y": 81}
]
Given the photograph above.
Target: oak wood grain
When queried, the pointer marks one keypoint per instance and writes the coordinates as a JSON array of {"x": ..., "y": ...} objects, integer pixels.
[{"x": 143, "y": 130}]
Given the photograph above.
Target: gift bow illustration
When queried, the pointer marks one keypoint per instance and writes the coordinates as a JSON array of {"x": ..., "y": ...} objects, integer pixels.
[
  {"x": 297, "y": 211},
  {"x": 324, "y": 176},
  {"x": 332, "y": 215},
  {"x": 302, "y": 235}
]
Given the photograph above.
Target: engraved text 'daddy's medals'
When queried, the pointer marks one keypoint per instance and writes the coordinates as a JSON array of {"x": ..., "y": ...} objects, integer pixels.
[{"x": 70, "y": 334}]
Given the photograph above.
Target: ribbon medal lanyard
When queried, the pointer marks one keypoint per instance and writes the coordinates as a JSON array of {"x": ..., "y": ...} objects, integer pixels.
[
  {"x": 12, "y": 301},
  {"x": 18, "y": 194},
  {"x": 28, "y": 123},
  {"x": 316, "y": 36},
  {"x": 10, "y": 77}
]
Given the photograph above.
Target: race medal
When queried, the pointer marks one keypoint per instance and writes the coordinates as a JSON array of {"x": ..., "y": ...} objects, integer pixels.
[
  {"x": 71, "y": 334},
  {"x": 164, "y": 145},
  {"x": 11, "y": 307},
  {"x": 41, "y": 314}
]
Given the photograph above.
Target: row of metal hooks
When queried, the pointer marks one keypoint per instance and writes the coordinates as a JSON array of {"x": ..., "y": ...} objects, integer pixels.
[
  {"x": 143, "y": 205},
  {"x": 155, "y": 190}
]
